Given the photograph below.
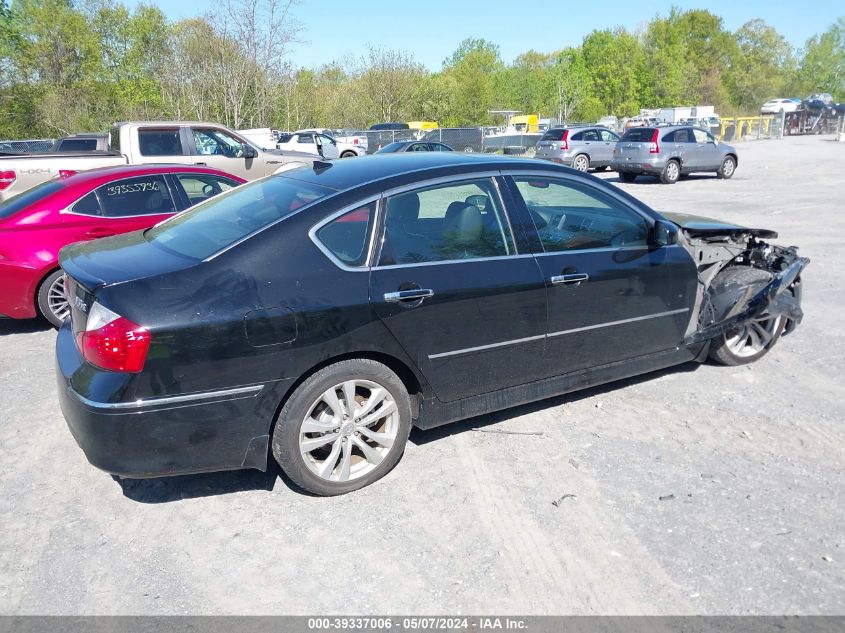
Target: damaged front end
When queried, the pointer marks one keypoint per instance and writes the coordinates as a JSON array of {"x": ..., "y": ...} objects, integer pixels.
[{"x": 725, "y": 301}]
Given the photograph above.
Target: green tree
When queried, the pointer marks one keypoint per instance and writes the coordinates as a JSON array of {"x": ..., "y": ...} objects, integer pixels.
[
  {"x": 472, "y": 68},
  {"x": 615, "y": 62},
  {"x": 822, "y": 66},
  {"x": 762, "y": 67}
]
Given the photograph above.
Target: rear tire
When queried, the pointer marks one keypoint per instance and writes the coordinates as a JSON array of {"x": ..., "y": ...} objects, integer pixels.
[
  {"x": 359, "y": 457},
  {"x": 671, "y": 172},
  {"x": 626, "y": 176},
  {"x": 51, "y": 300},
  {"x": 727, "y": 168},
  {"x": 348, "y": 154},
  {"x": 581, "y": 163},
  {"x": 753, "y": 340}
]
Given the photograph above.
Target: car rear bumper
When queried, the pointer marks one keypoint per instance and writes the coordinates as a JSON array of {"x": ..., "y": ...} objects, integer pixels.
[
  {"x": 17, "y": 290},
  {"x": 637, "y": 165},
  {"x": 169, "y": 435}
]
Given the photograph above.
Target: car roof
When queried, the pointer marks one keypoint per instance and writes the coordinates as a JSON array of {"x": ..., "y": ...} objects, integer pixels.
[{"x": 410, "y": 166}]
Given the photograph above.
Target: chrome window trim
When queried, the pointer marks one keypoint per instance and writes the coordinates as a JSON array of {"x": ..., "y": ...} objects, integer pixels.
[
  {"x": 601, "y": 249},
  {"x": 485, "y": 175},
  {"x": 235, "y": 393},
  {"x": 312, "y": 233},
  {"x": 469, "y": 350}
]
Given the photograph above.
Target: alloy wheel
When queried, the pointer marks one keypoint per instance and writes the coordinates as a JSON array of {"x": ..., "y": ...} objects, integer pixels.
[
  {"x": 728, "y": 168},
  {"x": 57, "y": 299},
  {"x": 752, "y": 337},
  {"x": 582, "y": 163},
  {"x": 349, "y": 430},
  {"x": 672, "y": 171}
]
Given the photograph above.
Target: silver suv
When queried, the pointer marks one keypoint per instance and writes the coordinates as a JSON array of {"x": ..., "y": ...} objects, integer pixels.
[
  {"x": 671, "y": 152},
  {"x": 582, "y": 148}
]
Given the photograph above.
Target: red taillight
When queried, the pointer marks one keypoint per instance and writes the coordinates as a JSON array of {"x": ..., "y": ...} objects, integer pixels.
[
  {"x": 564, "y": 142},
  {"x": 654, "y": 148},
  {"x": 113, "y": 342},
  {"x": 7, "y": 178},
  {"x": 66, "y": 173},
  {"x": 355, "y": 141}
]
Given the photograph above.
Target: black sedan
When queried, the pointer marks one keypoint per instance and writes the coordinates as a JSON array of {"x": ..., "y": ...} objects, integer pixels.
[
  {"x": 414, "y": 146},
  {"x": 314, "y": 316}
]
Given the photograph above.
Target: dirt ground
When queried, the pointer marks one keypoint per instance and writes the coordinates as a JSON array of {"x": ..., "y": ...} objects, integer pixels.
[{"x": 698, "y": 490}]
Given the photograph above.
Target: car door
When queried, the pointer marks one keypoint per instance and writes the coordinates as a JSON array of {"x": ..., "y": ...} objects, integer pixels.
[
  {"x": 329, "y": 145},
  {"x": 608, "y": 142},
  {"x": 708, "y": 157},
  {"x": 456, "y": 287},
  {"x": 680, "y": 142},
  {"x": 593, "y": 146},
  {"x": 612, "y": 295},
  {"x": 217, "y": 148},
  {"x": 124, "y": 205}
]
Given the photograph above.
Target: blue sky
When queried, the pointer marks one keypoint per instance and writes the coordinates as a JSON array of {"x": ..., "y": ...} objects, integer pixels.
[{"x": 432, "y": 29}]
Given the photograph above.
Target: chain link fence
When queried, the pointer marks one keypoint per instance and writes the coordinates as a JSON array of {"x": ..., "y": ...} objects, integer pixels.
[{"x": 26, "y": 146}]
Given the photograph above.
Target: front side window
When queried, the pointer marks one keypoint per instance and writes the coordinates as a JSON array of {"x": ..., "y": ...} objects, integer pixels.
[
  {"x": 160, "y": 142},
  {"x": 144, "y": 195},
  {"x": 608, "y": 136},
  {"x": 701, "y": 136},
  {"x": 574, "y": 216},
  {"x": 201, "y": 187},
  {"x": 208, "y": 228},
  {"x": 212, "y": 142},
  {"x": 346, "y": 237},
  {"x": 446, "y": 222}
]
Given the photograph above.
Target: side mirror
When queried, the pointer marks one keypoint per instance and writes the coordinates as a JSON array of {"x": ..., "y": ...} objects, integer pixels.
[
  {"x": 664, "y": 234},
  {"x": 249, "y": 151}
]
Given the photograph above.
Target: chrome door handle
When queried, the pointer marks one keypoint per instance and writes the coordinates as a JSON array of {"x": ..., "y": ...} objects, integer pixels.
[
  {"x": 574, "y": 279},
  {"x": 407, "y": 295}
]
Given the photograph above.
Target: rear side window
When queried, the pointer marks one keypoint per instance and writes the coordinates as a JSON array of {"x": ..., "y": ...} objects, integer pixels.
[
  {"x": 208, "y": 228},
  {"x": 446, "y": 222},
  {"x": 680, "y": 136},
  {"x": 639, "y": 135},
  {"x": 577, "y": 137},
  {"x": 159, "y": 142},
  {"x": 591, "y": 135},
  {"x": 144, "y": 195},
  {"x": 88, "y": 205},
  {"x": 21, "y": 201},
  {"x": 346, "y": 237}
]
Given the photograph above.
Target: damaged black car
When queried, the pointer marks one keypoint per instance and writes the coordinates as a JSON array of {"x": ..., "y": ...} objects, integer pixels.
[{"x": 315, "y": 316}]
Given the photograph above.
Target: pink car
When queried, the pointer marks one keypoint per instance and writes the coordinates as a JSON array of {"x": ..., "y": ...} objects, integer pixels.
[{"x": 35, "y": 224}]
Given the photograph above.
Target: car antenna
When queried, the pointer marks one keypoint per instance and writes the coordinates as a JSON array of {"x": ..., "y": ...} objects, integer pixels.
[{"x": 320, "y": 166}]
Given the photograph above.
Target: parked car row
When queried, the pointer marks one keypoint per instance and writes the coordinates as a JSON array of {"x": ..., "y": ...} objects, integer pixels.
[{"x": 668, "y": 152}]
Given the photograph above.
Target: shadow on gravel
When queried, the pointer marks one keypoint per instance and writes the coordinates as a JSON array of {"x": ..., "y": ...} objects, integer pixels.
[
  {"x": 420, "y": 437},
  {"x": 25, "y": 326},
  {"x": 179, "y": 488}
]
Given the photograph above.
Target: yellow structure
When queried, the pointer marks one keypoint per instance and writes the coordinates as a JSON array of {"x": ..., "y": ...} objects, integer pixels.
[
  {"x": 526, "y": 122},
  {"x": 423, "y": 125}
]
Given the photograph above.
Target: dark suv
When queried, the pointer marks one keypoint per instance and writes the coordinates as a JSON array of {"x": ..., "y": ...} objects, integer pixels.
[{"x": 313, "y": 317}]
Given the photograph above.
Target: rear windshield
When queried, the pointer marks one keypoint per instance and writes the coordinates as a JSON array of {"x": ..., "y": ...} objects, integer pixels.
[
  {"x": 639, "y": 134},
  {"x": 78, "y": 145},
  {"x": 28, "y": 197},
  {"x": 221, "y": 221},
  {"x": 553, "y": 135}
]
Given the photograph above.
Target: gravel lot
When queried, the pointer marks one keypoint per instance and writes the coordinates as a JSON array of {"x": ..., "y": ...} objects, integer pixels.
[{"x": 700, "y": 489}]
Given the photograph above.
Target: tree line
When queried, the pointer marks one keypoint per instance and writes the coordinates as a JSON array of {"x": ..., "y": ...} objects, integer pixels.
[{"x": 70, "y": 66}]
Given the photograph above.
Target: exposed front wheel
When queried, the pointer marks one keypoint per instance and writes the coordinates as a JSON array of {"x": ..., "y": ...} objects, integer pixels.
[
  {"x": 343, "y": 428},
  {"x": 52, "y": 301},
  {"x": 752, "y": 340},
  {"x": 727, "y": 168},
  {"x": 671, "y": 173},
  {"x": 581, "y": 162}
]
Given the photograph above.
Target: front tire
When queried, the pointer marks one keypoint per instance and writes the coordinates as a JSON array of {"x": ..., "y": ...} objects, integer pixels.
[
  {"x": 671, "y": 172},
  {"x": 344, "y": 428},
  {"x": 753, "y": 340},
  {"x": 727, "y": 168},
  {"x": 348, "y": 154},
  {"x": 51, "y": 299}
]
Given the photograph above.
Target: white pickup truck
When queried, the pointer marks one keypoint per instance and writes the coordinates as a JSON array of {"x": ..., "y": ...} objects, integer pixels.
[{"x": 190, "y": 143}]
